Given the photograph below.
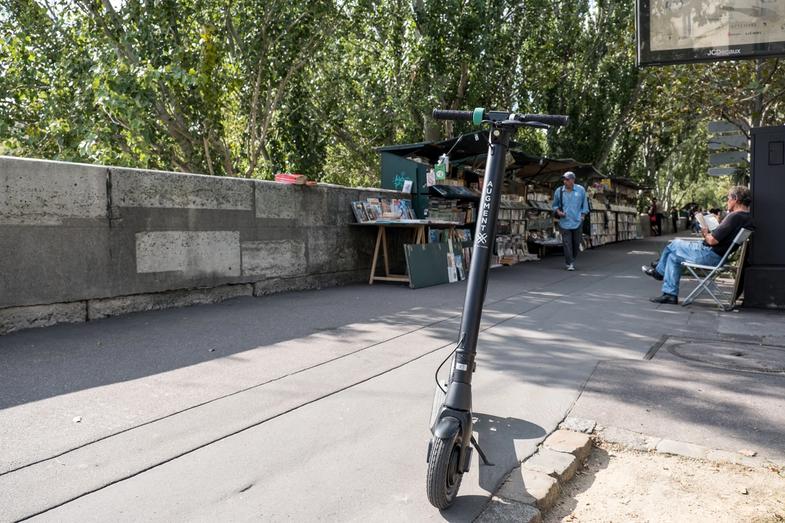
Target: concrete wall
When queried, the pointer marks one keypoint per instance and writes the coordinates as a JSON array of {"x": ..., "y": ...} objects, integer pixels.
[{"x": 79, "y": 242}]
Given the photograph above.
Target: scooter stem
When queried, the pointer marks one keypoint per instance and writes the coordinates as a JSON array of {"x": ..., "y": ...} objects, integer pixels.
[{"x": 459, "y": 389}]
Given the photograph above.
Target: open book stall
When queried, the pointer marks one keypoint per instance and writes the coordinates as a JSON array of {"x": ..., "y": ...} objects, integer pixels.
[
  {"x": 435, "y": 253},
  {"x": 445, "y": 179},
  {"x": 537, "y": 178},
  {"x": 614, "y": 216},
  {"x": 443, "y": 190},
  {"x": 525, "y": 218}
]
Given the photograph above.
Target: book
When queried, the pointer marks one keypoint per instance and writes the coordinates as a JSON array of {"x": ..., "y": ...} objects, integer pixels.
[
  {"x": 395, "y": 208},
  {"x": 707, "y": 220},
  {"x": 452, "y": 270},
  {"x": 459, "y": 266},
  {"x": 378, "y": 209},
  {"x": 430, "y": 178},
  {"x": 467, "y": 258},
  {"x": 359, "y": 212},
  {"x": 291, "y": 178},
  {"x": 407, "y": 213},
  {"x": 371, "y": 211}
]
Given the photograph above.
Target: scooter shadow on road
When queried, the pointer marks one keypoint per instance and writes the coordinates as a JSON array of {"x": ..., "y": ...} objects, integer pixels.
[
  {"x": 497, "y": 436},
  {"x": 465, "y": 509}
]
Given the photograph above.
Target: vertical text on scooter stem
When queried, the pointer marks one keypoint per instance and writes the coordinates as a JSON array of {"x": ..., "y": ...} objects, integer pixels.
[{"x": 486, "y": 209}]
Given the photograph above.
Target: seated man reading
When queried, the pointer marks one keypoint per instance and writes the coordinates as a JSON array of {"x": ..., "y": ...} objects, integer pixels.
[{"x": 707, "y": 252}]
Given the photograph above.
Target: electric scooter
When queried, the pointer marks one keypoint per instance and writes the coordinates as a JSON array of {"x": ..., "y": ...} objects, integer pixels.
[{"x": 450, "y": 447}]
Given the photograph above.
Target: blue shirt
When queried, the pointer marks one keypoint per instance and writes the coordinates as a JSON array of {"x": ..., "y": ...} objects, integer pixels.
[{"x": 573, "y": 203}]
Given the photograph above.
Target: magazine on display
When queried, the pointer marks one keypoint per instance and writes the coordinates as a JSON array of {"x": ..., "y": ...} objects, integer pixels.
[
  {"x": 359, "y": 212},
  {"x": 380, "y": 209}
]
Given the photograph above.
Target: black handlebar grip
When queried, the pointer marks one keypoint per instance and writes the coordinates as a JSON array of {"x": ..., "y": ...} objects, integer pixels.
[
  {"x": 547, "y": 119},
  {"x": 450, "y": 114}
]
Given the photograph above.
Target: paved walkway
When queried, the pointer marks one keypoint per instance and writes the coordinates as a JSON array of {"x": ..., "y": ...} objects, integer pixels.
[{"x": 315, "y": 405}]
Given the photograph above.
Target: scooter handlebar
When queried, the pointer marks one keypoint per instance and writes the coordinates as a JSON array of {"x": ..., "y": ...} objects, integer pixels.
[
  {"x": 450, "y": 114},
  {"x": 547, "y": 119},
  {"x": 480, "y": 115}
]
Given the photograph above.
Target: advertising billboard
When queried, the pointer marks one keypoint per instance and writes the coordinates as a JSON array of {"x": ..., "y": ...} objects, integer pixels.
[{"x": 678, "y": 31}]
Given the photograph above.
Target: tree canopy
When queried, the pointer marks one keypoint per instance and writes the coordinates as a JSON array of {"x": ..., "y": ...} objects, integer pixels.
[{"x": 252, "y": 87}]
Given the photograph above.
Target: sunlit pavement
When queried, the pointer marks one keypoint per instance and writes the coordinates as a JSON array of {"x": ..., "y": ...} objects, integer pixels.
[{"x": 315, "y": 405}]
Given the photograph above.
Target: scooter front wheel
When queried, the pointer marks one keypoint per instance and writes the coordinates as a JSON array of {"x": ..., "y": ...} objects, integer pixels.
[{"x": 444, "y": 471}]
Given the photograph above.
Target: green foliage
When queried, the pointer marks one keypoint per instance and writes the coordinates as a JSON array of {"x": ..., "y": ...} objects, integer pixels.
[
  {"x": 253, "y": 87},
  {"x": 42, "y": 84}
]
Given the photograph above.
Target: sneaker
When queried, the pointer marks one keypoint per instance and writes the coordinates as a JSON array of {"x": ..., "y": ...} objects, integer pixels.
[
  {"x": 650, "y": 271},
  {"x": 666, "y": 298},
  {"x": 570, "y": 267}
]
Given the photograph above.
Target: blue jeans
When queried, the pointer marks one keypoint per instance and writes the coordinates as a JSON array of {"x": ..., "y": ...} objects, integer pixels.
[{"x": 678, "y": 251}]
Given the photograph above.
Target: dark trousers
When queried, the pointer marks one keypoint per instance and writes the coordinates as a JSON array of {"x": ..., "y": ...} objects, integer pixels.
[{"x": 571, "y": 239}]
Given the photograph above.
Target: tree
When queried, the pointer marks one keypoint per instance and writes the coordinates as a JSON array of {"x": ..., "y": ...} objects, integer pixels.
[
  {"x": 43, "y": 98},
  {"x": 204, "y": 80},
  {"x": 252, "y": 87}
]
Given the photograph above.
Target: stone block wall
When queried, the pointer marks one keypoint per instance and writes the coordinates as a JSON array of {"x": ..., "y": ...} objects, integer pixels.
[{"x": 80, "y": 242}]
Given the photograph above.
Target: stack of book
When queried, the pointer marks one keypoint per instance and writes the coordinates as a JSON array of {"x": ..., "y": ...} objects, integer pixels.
[
  {"x": 451, "y": 210},
  {"x": 293, "y": 179}
]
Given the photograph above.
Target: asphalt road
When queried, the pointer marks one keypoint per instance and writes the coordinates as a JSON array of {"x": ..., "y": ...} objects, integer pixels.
[{"x": 310, "y": 405}]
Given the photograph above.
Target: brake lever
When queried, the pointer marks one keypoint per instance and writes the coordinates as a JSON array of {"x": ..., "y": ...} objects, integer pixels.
[
  {"x": 518, "y": 123},
  {"x": 538, "y": 125}
]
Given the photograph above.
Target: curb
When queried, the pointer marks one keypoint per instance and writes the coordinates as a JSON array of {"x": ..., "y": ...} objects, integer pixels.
[
  {"x": 636, "y": 441},
  {"x": 534, "y": 487},
  {"x": 632, "y": 440}
]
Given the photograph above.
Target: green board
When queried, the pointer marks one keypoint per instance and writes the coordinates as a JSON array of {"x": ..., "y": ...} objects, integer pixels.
[{"x": 427, "y": 264}]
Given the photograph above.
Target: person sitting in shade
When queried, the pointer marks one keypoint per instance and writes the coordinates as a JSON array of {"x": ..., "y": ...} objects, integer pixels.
[{"x": 707, "y": 252}]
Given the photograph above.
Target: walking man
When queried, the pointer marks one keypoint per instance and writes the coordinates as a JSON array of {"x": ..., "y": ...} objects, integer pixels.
[{"x": 571, "y": 208}]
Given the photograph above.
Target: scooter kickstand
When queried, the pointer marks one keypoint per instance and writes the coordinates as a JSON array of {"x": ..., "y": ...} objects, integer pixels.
[{"x": 481, "y": 453}]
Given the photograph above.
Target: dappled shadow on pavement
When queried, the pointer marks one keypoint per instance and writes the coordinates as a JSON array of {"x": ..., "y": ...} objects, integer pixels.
[
  {"x": 113, "y": 375},
  {"x": 42, "y": 363},
  {"x": 682, "y": 400},
  {"x": 543, "y": 325}
]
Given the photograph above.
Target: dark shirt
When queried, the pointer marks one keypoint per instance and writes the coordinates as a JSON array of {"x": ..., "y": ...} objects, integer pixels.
[{"x": 729, "y": 228}]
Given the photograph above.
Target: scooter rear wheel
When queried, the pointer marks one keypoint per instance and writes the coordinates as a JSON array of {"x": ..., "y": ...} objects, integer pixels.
[{"x": 444, "y": 471}]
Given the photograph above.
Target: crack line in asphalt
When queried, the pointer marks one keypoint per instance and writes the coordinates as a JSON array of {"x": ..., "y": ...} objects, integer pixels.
[
  {"x": 296, "y": 407},
  {"x": 273, "y": 380},
  {"x": 654, "y": 348}
]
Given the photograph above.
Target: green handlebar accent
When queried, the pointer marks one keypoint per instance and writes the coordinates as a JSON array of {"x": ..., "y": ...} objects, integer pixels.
[{"x": 479, "y": 112}]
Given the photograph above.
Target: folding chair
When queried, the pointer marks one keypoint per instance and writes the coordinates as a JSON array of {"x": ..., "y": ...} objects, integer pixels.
[{"x": 707, "y": 275}]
